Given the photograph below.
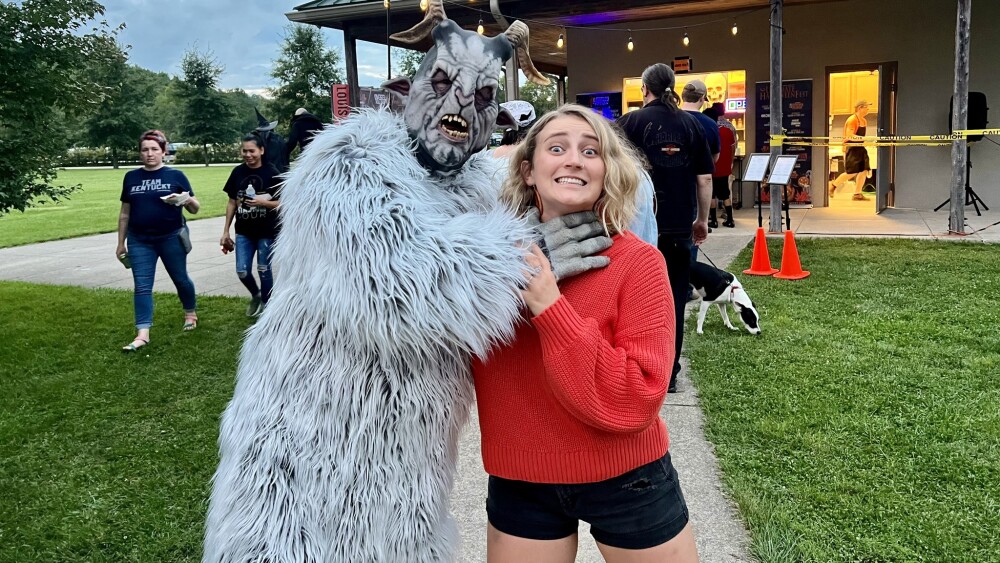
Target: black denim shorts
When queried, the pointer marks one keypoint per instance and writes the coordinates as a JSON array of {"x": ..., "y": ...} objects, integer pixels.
[{"x": 640, "y": 509}]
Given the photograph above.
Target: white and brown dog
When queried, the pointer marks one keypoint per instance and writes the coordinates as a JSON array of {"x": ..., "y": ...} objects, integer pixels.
[{"x": 720, "y": 287}]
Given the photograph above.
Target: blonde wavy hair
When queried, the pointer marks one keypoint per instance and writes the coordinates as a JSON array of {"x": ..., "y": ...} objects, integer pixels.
[{"x": 616, "y": 206}]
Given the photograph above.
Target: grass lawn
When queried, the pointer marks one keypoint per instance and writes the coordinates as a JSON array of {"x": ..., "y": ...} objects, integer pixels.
[
  {"x": 94, "y": 208},
  {"x": 864, "y": 424},
  {"x": 104, "y": 456}
]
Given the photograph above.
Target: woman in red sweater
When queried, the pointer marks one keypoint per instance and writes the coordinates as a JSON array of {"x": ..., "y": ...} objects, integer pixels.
[{"x": 570, "y": 409}]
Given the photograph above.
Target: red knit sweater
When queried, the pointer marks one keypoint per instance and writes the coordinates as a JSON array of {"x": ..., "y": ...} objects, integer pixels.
[{"x": 576, "y": 397}]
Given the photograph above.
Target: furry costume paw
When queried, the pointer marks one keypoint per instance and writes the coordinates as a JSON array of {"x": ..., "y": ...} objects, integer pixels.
[{"x": 571, "y": 241}]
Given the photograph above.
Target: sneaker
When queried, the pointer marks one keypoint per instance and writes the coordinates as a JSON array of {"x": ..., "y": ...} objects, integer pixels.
[
  {"x": 713, "y": 224},
  {"x": 255, "y": 306},
  {"x": 859, "y": 197},
  {"x": 729, "y": 223}
]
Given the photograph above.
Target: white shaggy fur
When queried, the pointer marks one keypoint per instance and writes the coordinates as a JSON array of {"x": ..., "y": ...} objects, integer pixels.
[{"x": 339, "y": 443}]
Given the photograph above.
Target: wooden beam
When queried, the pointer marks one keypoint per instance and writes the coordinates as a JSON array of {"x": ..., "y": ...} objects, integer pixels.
[
  {"x": 351, "y": 62},
  {"x": 775, "y": 223},
  {"x": 959, "y": 119}
]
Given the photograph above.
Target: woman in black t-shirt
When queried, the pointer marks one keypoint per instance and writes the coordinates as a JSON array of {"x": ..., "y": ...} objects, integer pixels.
[{"x": 253, "y": 202}]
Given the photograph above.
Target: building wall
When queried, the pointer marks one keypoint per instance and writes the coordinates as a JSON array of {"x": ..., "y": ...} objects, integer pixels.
[{"x": 828, "y": 34}]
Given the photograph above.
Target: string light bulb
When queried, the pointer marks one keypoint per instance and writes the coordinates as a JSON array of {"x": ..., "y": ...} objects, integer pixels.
[
  {"x": 385, "y": 4},
  {"x": 561, "y": 41},
  {"x": 480, "y": 29},
  {"x": 735, "y": 29},
  {"x": 423, "y": 5},
  {"x": 687, "y": 40},
  {"x": 630, "y": 46}
]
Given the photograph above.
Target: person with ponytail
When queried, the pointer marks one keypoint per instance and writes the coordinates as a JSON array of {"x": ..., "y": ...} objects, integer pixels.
[{"x": 675, "y": 146}]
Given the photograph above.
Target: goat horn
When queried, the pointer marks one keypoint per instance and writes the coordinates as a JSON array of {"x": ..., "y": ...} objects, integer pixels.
[
  {"x": 517, "y": 34},
  {"x": 419, "y": 32}
]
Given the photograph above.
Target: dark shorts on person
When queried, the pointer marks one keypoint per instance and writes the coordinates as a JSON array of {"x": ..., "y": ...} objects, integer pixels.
[
  {"x": 637, "y": 510},
  {"x": 720, "y": 187},
  {"x": 856, "y": 160}
]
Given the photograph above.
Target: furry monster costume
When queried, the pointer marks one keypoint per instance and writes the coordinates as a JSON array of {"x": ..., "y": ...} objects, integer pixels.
[{"x": 394, "y": 265}]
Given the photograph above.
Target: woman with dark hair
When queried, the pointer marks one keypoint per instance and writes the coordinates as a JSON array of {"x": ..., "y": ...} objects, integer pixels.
[
  {"x": 150, "y": 228},
  {"x": 253, "y": 201},
  {"x": 674, "y": 143}
]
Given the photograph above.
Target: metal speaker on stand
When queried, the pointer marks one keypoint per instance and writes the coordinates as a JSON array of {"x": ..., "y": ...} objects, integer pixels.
[{"x": 977, "y": 119}]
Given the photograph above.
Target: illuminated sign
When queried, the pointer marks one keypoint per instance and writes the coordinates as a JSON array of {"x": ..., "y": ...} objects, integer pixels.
[{"x": 736, "y": 105}]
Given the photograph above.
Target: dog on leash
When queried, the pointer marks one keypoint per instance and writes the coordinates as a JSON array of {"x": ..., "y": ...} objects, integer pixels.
[{"x": 719, "y": 287}]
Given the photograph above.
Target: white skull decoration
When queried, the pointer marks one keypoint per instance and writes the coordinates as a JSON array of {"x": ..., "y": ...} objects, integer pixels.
[{"x": 715, "y": 86}]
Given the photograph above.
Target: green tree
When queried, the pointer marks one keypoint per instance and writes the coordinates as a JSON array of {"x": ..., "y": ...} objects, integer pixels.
[
  {"x": 543, "y": 98},
  {"x": 405, "y": 62},
  {"x": 305, "y": 69},
  {"x": 244, "y": 118},
  {"x": 124, "y": 113},
  {"x": 44, "y": 51},
  {"x": 168, "y": 108},
  {"x": 207, "y": 116}
]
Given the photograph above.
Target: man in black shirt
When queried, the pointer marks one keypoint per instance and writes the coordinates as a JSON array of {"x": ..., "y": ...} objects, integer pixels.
[{"x": 682, "y": 165}]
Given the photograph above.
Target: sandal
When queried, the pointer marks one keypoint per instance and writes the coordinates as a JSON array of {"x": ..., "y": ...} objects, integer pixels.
[
  {"x": 135, "y": 345},
  {"x": 190, "y": 322}
]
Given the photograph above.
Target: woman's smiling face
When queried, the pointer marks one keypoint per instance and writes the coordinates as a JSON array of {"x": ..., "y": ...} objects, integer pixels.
[
  {"x": 251, "y": 154},
  {"x": 567, "y": 168}
]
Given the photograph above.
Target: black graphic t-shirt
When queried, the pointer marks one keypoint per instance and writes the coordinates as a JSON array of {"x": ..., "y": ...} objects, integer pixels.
[
  {"x": 148, "y": 214},
  {"x": 675, "y": 145},
  {"x": 254, "y": 222}
]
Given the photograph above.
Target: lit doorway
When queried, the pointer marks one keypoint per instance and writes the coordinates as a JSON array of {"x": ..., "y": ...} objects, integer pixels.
[{"x": 846, "y": 86}]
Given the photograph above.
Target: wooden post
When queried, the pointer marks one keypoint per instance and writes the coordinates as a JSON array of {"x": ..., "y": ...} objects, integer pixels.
[
  {"x": 960, "y": 118},
  {"x": 775, "y": 223},
  {"x": 351, "y": 62},
  {"x": 510, "y": 68}
]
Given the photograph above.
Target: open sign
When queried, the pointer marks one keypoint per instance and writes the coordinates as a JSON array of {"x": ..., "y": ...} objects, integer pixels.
[{"x": 736, "y": 105}]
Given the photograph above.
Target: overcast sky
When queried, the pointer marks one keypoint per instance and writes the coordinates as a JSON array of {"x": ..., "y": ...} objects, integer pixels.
[{"x": 244, "y": 35}]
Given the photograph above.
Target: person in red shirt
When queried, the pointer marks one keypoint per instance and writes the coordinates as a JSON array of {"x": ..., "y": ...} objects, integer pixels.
[
  {"x": 721, "y": 178},
  {"x": 569, "y": 410}
]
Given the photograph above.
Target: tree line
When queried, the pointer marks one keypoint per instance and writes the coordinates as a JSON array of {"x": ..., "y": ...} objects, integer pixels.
[{"x": 65, "y": 82}]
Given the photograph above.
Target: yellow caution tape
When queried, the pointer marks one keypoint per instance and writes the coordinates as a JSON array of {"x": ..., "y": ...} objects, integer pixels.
[{"x": 886, "y": 140}]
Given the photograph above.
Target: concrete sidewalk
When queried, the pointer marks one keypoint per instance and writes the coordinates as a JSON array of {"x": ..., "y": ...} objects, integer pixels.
[
  {"x": 90, "y": 262},
  {"x": 721, "y": 536}
]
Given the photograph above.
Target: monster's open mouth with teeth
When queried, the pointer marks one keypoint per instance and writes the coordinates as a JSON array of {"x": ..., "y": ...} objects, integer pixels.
[{"x": 454, "y": 128}]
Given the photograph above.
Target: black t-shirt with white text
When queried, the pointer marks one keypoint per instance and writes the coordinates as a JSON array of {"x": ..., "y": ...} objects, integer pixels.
[{"x": 254, "y": 222}]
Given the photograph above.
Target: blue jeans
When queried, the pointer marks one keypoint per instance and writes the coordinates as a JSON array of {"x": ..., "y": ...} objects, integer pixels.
[
  {"x": 143, "y": 251},
  {"x": 246, "y": 247}
]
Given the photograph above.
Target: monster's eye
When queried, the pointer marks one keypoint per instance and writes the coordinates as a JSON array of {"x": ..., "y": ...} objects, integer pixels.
[
  {"x": 484, "y": 96},
  {"x": 440, "y": 82}
]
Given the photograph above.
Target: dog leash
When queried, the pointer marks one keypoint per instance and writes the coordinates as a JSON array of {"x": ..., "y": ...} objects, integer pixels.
[{"x": 702, "y": 252}]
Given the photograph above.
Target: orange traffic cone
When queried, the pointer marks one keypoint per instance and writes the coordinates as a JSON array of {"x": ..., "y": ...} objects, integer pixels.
[
  {"x": 791, "y": 268},
  {"x": 761, "y": 263}
]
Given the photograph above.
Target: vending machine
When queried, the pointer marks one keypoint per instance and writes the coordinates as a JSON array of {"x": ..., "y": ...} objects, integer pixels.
[{"x": 607, "y": 104}]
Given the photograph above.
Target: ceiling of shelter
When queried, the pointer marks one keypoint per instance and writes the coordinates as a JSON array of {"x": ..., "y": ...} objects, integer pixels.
[{"x": 366, "y": 19}]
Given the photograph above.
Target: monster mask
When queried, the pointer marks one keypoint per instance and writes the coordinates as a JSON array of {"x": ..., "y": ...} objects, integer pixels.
[{"x": 450, "y": 105}]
